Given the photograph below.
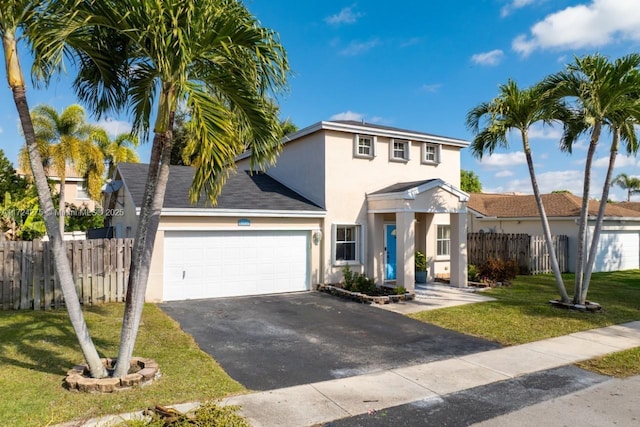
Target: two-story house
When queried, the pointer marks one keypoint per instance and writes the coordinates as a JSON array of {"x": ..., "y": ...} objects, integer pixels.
[{"x": 342, "y": 193}]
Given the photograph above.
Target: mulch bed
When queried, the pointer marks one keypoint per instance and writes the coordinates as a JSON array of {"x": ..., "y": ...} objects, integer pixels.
[{"x": 367, "y": 299}]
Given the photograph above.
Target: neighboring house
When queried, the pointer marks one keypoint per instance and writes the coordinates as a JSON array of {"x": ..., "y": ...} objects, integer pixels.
[
  {"x": 619, "y": 244},
  {"x": 75, "y": 187},
  {"x": 342, "y": 194}
]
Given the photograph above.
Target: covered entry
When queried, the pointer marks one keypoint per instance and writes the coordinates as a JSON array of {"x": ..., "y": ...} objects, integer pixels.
[{"x": 427, "y": 215}]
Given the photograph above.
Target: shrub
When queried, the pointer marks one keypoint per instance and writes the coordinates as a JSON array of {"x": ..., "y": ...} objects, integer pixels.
[
  {"x": 399, "y": 290},
  {"x": 348, "y": 278},
  {"x": 364, "y": 284},
  {"x": 472, "y": 273},
  {"x": 420, "y": 261},
  {"x": 497, "y": 270}
]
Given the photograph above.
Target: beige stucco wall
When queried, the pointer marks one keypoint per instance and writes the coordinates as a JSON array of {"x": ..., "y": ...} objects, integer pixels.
[
  {"x": 301, "y": 167},
  {"x": 349, "y": 179},
  {"x": 208, "y": 223}
]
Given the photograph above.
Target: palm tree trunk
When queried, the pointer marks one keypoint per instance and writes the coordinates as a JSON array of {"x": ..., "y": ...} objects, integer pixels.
[
  {"x": 148, "y": 222},
  {"x": 61, "y": 204},
  {"x": 584, "y": 212},
  {"x": 63, "y": 269},
  {"x": 555, "y": 267},
  {"x": 598, "y": 226}
]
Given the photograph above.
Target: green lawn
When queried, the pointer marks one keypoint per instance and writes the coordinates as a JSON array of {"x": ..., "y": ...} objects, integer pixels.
[
  {"x": 37, "y": 348},
  {"x": 522, "y": 314}
]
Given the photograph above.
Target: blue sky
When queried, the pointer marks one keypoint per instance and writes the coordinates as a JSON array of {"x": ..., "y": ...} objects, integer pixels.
[{"x": 421, "y": 65}]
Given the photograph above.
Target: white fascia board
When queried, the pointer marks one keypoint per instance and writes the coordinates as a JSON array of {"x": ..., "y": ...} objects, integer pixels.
[
  {"x": 412, "y": 136},
  {"x": 411, "y": 193},
  {"x": 214, "y": 227},
  {"x": 204, "y": 212},
  {"x": 391, "y": 210}
]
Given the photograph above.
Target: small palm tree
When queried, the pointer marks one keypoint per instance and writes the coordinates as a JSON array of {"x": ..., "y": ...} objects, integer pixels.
[
  {"x": 517, "y": 109},
  {"x": 211, "y": 56},
  {"x": 66, "y": 140},
  {"x": 629, "y": 183},
  {"x": 603, "y": 94},
  {"x": 22, "y": 16},
  {"x": 122, "y": 148}
]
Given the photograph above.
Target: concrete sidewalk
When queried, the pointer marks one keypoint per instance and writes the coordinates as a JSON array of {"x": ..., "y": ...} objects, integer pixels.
[{"x": 326, "y": 401}]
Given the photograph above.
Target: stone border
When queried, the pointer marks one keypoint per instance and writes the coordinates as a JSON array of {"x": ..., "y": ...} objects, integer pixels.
[
  {"x": 357, "y": 296},
  {"x": 78, "y": 378},
  {"x": 589, "y": 306}
]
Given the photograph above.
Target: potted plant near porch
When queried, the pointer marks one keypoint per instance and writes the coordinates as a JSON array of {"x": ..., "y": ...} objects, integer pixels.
[{"x": 421, "y": 267}]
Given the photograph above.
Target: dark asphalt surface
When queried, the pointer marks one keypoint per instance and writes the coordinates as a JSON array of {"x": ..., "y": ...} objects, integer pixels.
[
  {"x": 268, "y": 342},
  {"x": 478, "y": 404}
]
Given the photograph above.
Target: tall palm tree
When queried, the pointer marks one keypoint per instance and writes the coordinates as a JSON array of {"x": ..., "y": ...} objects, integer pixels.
[
  {"x": 517, "y": 109},
  {"x": 604, "y": 95},
  {"x": 211, "y": 56},
  {"x": 66, "y": 140},
  {"x": 18, "y": 16},
  {"x": 629, "y": 183},
  {"x": 122, "y": 148}
]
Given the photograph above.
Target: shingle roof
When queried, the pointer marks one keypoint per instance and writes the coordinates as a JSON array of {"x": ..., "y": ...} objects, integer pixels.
[
  {"x": 242, "y": 190},
  {"x": 555, "y": 205},
  {"x": 634, "y": 206},
  {"x": 402, "y": 186}
]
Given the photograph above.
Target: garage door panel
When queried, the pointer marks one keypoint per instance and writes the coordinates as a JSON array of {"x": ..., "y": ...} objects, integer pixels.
[
  {"x": 618, "y": 251},
  {"x": 234, "y": 263}
]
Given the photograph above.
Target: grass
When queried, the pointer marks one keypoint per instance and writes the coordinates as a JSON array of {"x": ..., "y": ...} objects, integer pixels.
[
  {"x": 37, "y": 349},
  {"x": 522, "y": 314}
]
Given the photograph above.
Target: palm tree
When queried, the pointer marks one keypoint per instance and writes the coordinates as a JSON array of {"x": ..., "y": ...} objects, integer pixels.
[
  {"x": 629, "y": 183},
  {"x": 66, "y": 140},
  {"x": 211, "y": 56},
  {"x": 116, "y": 150},
  {"x": 516, "y": 109},
  {"x": 19, "y": 16},
  {"x": 604, "y": 95}
]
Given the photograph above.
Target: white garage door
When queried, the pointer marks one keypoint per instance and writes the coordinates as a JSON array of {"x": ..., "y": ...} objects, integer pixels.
[
  {"x": 233, "y": 263},
  {"x": 618, "y": 251}
]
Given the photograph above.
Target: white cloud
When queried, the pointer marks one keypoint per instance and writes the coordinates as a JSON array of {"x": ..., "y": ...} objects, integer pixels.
[
  {"x": 499, "y": 160},
  {"x": 492, "y": 57},
  {"x": 431, "y": 88},
  {"x": 593, "y": 25},
  {"x": 357, "y": 47},
  {"x": 114, "y": 127},
  {"x": 621, "y": 161},
  {"x": 538, "y": 131},
  {"x": 410, "y": 42},
  {"x": 514, "y": 5},
  {"x": 348, "y": 115},
  {"x": 1, "y": 130},
  {"x": 547, "y": 182},
  {"x": 503, "y": 174},
  {"x": 345, "y": 16},
  {"x": 544, "y": 156}
]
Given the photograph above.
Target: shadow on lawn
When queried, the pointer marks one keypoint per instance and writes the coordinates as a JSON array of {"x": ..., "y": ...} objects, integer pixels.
[{"x": 40, "y": 341}]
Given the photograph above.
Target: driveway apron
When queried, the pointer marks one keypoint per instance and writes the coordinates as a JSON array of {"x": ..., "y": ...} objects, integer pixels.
[{"x": 274, "y": 341}]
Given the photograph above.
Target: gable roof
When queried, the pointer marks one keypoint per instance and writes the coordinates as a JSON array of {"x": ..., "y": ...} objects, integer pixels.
[
  {"x": 402, "y": 187},
  {"x": 555, "y": 205},
  {"x": 242, "y": 191},
  {"x": 634, "y": 206}
]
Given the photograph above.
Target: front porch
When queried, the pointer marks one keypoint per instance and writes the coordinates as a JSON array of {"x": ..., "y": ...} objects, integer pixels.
[{"x": 429, "y": 216}]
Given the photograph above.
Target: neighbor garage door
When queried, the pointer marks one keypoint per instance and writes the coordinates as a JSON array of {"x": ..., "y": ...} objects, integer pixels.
[
  {"x": 233, "y": 263},
  {"x": 618, "y": 251}
]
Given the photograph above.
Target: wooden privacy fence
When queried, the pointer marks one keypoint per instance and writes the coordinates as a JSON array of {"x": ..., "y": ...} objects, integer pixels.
[
  {"x": 530, "y": 252},
  {"x": 100, "y": 270}
]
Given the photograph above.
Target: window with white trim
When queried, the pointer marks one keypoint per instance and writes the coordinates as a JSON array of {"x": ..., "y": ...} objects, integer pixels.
[
  {"x": 399, "y": 149},
  {"x": 443, "y": 240},
  {"x": 346, "y": 240},
  {"x": 81, "y": 191},
  {"x": 364, "y": 146},
  {"x": 430, "y": 153}
]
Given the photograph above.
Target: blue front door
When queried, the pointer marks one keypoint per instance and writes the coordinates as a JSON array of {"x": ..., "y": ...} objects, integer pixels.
[{"x": 390, "y": 250}]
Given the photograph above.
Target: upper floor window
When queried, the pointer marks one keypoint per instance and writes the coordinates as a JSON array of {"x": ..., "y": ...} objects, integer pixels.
[
  {"x": 430, "y": 153},
  {"x": 346, "y": 242},
  {"x": 81, "y": 191},
  {"x": 443, "y": 240},
  {"x": 399, "y": 149},
  {"x": 364, "y": 146}
]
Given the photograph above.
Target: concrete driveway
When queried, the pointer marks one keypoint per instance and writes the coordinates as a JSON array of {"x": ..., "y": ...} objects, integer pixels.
[{"x": 274, "y": 341}]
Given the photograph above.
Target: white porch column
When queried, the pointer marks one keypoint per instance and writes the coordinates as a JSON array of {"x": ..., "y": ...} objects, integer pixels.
[
  {"x": 458, "y": 249},
  {"x": 405, "y": 248},
  {"x": 375, "y": 248}
]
